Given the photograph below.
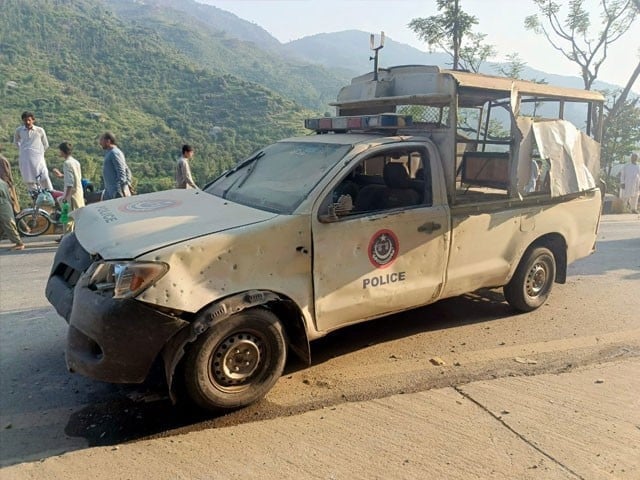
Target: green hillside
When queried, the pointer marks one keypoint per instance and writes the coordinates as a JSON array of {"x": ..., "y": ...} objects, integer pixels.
[
  {"x": 83, "y": 71},
  {"x": 214, "y": 39}
]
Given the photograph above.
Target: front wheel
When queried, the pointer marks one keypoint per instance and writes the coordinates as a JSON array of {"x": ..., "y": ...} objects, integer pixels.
[
  {"x": 531, "y": 284},
  {"x": 32, "y": 222},
  {"x": 237, "y": 361}
]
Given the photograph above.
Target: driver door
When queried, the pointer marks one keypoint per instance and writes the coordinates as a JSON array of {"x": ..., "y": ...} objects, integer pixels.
[{"x": 370, "y": 263}]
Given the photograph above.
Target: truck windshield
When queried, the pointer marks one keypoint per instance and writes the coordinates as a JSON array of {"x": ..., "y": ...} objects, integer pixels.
[{"x": 279, "y": 177}]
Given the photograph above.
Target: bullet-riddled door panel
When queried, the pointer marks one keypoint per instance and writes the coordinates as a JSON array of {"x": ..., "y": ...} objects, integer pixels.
[{"x": 368, "y": 263}]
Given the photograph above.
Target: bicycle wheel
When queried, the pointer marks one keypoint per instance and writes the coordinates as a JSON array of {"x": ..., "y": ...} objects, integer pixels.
[{"x": 32, "y": 222}]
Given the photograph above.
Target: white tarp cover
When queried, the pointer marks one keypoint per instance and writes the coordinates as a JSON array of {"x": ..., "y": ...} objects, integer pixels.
[
  {"x": 574, "y": 156},
  {"x": 525, "y": 138}
]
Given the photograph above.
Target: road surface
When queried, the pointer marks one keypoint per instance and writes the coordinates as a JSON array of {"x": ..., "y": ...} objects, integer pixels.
[{"x": 44, "y": 410}]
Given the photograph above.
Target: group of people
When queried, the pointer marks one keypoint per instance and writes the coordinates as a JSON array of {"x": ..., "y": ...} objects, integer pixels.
[{"x": 32, "y": 144}]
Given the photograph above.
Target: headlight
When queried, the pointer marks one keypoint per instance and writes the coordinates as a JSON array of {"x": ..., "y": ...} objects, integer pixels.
[{"x": 127, "y": 279}]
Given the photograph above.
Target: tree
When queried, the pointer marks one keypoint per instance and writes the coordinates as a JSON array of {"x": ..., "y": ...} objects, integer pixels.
[
  {"x": 574, "y": 37},
  {"x": 622, "y": 135},
  {"x": 513, "y": 68},
  {"x": 447, "y": 30},
  {"x": 584, "y": 44},
  {"x": 475, "y": 53}
]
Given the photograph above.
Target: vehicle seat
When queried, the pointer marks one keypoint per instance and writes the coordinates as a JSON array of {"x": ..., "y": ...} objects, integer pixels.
[
  {"x": 398, "y": 191},
  {"x": 424, "y": 177},
  {"x": 370, "y": 198}
]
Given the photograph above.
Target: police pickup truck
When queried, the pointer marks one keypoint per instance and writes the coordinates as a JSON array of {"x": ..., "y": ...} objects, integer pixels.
[{"x": 427, "y": 184}]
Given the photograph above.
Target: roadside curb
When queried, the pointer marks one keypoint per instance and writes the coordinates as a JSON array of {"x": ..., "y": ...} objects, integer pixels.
[{"x": 619, "y": 217}]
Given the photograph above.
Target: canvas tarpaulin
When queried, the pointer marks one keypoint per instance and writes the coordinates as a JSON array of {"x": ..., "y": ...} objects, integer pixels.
[{"x": 574, "y": 157}]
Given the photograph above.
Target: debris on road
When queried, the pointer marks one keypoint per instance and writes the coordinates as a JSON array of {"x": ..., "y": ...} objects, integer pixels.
[{"x": 526, "y": 361}]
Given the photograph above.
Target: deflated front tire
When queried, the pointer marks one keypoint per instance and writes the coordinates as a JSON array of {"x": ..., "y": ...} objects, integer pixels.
[{"x": 237, "y": 361}]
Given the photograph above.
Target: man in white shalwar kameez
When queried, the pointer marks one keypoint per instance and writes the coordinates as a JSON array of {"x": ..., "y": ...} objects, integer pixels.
[
  {"x": 630, "y": 184},
  {"x": 32, "y": 143}
]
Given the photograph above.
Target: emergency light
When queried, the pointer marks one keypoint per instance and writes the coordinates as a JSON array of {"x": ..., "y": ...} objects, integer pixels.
[{"x": 384, "y": 121}]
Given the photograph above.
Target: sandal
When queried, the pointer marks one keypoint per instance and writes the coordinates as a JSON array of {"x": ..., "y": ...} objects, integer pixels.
[{"x": 19, "y": 246}]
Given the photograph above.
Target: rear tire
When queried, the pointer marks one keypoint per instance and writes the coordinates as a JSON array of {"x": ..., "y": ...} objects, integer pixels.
[
  {"x": 531, "y": 284},
  {"x": 32, "y": 223},
  {"x": 235, "y": 362}
]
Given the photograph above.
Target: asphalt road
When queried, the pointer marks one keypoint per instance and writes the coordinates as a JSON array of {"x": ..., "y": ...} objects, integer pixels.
[{"x": 44, "y": 410}]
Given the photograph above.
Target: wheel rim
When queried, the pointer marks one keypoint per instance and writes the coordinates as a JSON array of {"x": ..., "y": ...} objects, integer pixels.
[
  {"x": 537, "y": 279},
  {"x": 237, "y": 359},
  {"x": 33, "y": 224}
]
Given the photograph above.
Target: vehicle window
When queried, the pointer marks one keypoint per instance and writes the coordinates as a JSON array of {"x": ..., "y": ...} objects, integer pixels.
[
  {"x": 279, "y": 177},
  {"x": 426, "y": 116},
  {"x": 397, "y": 179}
]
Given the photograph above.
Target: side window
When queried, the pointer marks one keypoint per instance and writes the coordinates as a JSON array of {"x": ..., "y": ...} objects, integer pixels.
[{"x": 395, "y": 179}]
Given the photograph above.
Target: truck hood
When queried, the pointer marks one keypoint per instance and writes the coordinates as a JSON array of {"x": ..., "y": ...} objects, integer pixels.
[{"x": 129, "y": 227}]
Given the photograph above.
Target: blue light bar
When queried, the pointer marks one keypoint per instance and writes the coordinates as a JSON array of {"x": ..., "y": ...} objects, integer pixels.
[{"x": 383, "y": 121}]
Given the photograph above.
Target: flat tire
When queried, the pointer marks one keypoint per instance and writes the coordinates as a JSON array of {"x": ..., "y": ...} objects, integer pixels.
[{"x": 235, "y": 362}]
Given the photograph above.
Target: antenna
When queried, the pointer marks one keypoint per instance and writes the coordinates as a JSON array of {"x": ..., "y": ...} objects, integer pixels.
[{"x": 372, "y": 43}]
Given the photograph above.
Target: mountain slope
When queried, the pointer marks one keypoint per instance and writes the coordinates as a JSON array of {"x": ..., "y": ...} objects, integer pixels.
[
  {"x": 82, "y": 71},
  {"x": 224, "y": 43},
  {"x": 350, "y": 49}
]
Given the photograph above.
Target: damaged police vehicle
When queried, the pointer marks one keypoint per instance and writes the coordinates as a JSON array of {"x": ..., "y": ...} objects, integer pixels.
[{"x": 427, "y": 184}]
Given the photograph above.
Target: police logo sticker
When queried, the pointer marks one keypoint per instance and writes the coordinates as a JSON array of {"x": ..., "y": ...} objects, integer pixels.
[
  {"x": 144, "y": 206},
  {"x": 383, "y": 248}
]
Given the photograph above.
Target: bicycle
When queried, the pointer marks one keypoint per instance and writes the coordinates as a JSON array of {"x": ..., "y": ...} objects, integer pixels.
[{"x": 35, "y": 221}]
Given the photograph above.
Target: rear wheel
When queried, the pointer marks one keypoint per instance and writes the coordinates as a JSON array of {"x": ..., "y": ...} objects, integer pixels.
[
  {"x": 237, "y": 361},
  {"x": 32, "y": 222},
  {"x": 531, "y": 284}
]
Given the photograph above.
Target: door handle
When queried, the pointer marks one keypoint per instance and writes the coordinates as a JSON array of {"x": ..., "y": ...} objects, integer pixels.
[{"x": 429, "y": 227}]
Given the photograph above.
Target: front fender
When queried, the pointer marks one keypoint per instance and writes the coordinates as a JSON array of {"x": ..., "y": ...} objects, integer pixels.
[{"x": 220, "y": 310}]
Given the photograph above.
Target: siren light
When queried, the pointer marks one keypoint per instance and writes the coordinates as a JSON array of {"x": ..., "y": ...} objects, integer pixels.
[{"x": 383, "y": 121}]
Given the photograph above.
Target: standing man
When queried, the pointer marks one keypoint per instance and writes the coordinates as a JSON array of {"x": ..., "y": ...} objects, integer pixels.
[
  {"x": 114, "y": 169},
  {"x": 630, "y": 184},
  {"x": 32, "y": 143},
  {"x": 72, "y": 174},
  {"x": 7, "y": 176},
  {"x": 183, "y": 170}
]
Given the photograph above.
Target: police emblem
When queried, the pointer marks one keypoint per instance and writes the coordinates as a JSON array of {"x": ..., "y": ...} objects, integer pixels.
[{"x": 383, "y": 248}]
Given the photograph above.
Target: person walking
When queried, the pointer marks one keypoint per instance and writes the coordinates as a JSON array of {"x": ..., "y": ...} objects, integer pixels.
[
  {"x": 630, "y": 184},
  {"x": 183, "y": 169},
  {"x": 7, "y": 221},
  {"x": 114, "y": 169},
  {"x": 32, "y": 142},
  {"x": 7, "y": 176},
  {"x": 72, "y": 174}
]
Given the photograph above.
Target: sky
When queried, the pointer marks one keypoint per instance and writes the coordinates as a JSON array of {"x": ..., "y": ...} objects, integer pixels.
[{"x": 503, "y": 23}]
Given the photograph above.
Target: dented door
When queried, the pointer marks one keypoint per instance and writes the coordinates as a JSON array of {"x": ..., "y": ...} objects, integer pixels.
[{"x": 368, "y": 265}]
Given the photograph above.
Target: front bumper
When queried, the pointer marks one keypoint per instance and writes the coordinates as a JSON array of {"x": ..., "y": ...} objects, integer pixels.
[{"x": 113, "y": 340}]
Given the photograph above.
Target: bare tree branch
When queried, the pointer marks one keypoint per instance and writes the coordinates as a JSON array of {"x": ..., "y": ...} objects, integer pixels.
[{"x": 625, "y": 92}]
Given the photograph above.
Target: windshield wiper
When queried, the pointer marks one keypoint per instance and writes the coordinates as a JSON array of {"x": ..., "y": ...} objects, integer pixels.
[
  {"x": 240, "y": 166},
  {"x": 249, "y": 160},
  {"x": 254, "y": 160}
]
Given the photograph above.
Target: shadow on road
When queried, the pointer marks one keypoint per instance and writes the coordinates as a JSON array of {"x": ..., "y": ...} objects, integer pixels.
[
  {"x": 611, "y": 255},
  {"x": 481, "y": 306},
  {"x": 101, "y": 414}
]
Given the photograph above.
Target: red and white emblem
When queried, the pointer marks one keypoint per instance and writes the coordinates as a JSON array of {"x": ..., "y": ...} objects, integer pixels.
[{"x": 383, "y": 248}]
